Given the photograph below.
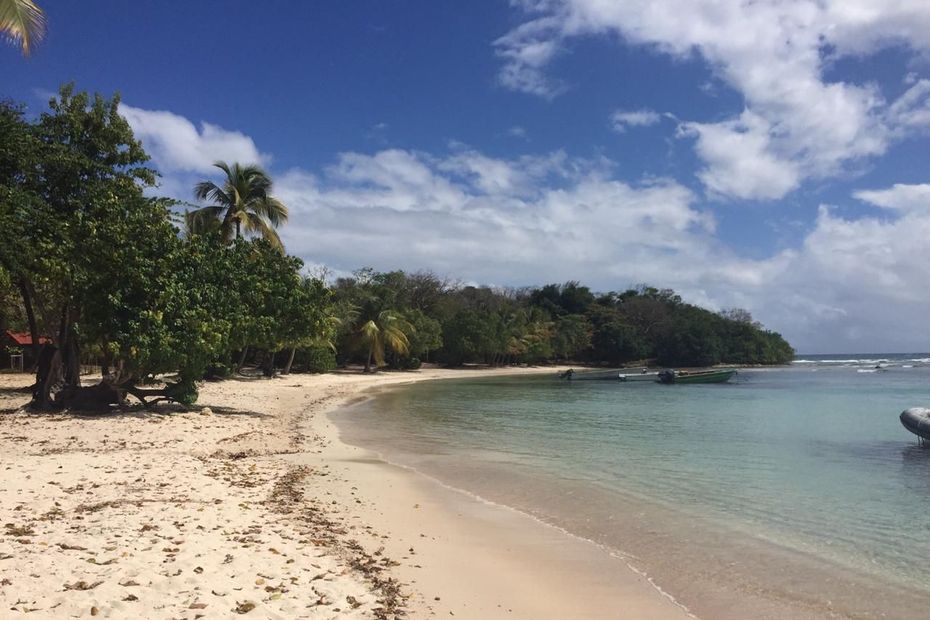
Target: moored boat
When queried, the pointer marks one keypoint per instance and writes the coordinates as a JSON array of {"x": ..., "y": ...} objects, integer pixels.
[
  {"x": 639, "y": 376},
  {"x": 590, "y": 375},
  {"x": 717, "y": 375},
  {"x": 917, "y": 420}
]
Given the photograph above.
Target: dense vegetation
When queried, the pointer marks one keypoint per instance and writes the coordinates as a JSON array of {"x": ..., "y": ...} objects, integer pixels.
[
  {"x": 454, "y": 324},
  {"x": 90, "y": 259}
]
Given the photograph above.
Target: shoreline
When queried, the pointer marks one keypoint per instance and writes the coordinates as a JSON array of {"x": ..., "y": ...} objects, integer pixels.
[{"x": 550, "y": 572}]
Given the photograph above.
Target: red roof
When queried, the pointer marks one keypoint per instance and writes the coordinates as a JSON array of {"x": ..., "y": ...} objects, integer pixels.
[{"x": 25, "y": 340}]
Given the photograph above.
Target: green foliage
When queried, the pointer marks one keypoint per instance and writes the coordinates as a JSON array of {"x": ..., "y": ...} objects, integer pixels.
[
  {"x": 317, "y": 358},
  {"x": 425, "y": 335}
]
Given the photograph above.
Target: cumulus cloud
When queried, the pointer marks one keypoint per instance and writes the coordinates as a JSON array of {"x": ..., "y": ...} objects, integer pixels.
[
  {"x": 177, "y": 145},
  {"x": 486, "y": 219},
  {"x": 623, "y": 119},
  {"x": 854, "y": 285},
  {"x": 773, "y": 53},
  {"x": 738, "y": 158},
  {"x": 899, "y": 197}
]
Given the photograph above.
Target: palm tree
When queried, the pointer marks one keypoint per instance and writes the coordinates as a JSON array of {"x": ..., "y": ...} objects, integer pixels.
[
  {"x": 22, "y": 22},
  {"x": 243, "y": 204},
  {"x": 387, "y": 329}
]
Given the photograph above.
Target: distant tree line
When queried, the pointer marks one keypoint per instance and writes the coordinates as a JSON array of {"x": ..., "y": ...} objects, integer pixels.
[
  {"x": 163, "y": 298},
  {"x": 453, "y": 325}
]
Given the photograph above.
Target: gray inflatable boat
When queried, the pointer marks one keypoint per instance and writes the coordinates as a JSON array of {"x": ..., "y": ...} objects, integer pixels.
[{"x": 917, "y": 420}]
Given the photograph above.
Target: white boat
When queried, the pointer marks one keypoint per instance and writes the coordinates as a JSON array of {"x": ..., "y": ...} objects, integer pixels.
[
  {"x": 608, "y": 375},
  {"x": 639, "y": 376}
]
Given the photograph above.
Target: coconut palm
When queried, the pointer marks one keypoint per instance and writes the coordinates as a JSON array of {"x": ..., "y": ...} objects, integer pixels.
[
  {"x": 22, "y": 22},
  {"x": 387, "y": 329},
  {"x": 243, "y": 205}
]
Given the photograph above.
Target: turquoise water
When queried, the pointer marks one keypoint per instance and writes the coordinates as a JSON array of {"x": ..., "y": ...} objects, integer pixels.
[{"x": 810, "y": 459}]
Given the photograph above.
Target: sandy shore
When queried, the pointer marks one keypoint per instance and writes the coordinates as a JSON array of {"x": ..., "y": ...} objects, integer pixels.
[{"x": 250, "y": 504}]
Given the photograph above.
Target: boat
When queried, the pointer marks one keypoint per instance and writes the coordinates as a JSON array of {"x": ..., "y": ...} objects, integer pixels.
[
  {"x": 917, "y": 420},
  {"x": 607, "y": 375},
  {"x": 639, "y": 376},
  {"x": 716, "y": 375},
  {"x": 590, "y": 375}
]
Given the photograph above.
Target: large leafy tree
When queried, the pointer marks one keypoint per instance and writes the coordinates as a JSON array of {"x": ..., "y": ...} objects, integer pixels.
[
  {"x": 22, "y": 22},
  {"x": 242, "y": 204},
  {"x": 73, "y": 201}
]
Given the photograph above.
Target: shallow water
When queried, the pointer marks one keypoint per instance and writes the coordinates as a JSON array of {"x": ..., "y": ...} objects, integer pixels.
[{"x": 798, "y": 485}]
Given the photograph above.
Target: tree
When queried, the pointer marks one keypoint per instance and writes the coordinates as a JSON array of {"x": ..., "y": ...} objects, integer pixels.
[
  {"x": 572, "y": 336},
  {"x": 22, "y": 22},
  {"x": 243, "y": 204},
  {"x": 386, "y": 330},
  {"x": 426, "y": 334},
  {"x": 73, "y": 202},
  {"x": 310, "y": 322}
]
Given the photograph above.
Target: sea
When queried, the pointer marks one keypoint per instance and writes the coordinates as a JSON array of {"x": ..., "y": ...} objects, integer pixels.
[{"x": 789, "y": 492}]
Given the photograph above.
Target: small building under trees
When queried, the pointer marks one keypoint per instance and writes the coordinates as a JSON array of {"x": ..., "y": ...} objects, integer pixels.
[{"x": 13, "y": 344}]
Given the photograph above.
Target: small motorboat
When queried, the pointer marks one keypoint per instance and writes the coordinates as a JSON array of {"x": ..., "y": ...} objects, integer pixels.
[
  {"x": 716, "y": 375},
  {"x": 917, "y": 420},
  {"x": 590, "y": 375},
  {"x": 639, "y": 376},
  {"x": 608, "y": 375}
]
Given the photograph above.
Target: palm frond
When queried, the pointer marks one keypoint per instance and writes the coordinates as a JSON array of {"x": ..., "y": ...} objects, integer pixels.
[
  {"x": 274, "y": 210},
  {"x": 22, "y": 22},
  {"x": 254, "y": 223},
  {"x": 203, "y": 221},
  {"x": 207, "y": 190}
]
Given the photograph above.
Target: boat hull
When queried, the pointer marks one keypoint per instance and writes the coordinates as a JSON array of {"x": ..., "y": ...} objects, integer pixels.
[
  {"x": 917, "y": 420},
  {"x": 699, "y": 376}
]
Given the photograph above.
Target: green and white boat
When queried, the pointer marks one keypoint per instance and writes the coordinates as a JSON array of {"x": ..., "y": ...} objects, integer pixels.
[{"x": 716, "y": 375}]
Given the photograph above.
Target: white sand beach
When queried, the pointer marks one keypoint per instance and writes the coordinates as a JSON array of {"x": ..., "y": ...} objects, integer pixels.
[{"x": 249, "y": 504}]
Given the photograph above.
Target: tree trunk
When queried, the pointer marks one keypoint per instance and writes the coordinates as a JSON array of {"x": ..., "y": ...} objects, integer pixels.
[
  {"x": 290, "y": 361},
  {"x": 48, "y": 376},
  {"x": 31, "y": 318},
  {"x": 238, "y": 227},
  {"x": 245, "y": 351},
  {"x": 269, "y": 364},
  {"x": 368, "y": 359},
  {"x": 71, "y": 358},
  {"x": 59, "y": 365}
]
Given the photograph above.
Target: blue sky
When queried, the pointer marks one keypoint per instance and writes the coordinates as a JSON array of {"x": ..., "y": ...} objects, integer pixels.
[{"x": 767, "y": 155}]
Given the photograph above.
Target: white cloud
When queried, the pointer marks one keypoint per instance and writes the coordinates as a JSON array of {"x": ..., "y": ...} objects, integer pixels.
[
  {"x": 854, "y": 285},
  {"x": 738, "y": 158},
  {"x": 623, "y": 119},
  {"x": 526, "y": 51},
  {"x": 773, "y": 53},
  {"x": 177, "y": 145},
  {"x": 899, "y": 197}
]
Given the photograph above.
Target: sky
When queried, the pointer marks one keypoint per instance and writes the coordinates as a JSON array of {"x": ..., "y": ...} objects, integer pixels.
[{"x": 769, "y": 155}]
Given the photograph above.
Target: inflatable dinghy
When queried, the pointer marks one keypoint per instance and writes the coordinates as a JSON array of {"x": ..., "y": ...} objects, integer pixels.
[{"x": 917, "y": 420}]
